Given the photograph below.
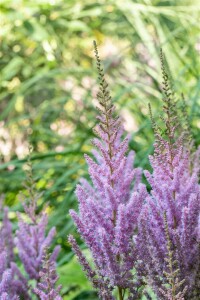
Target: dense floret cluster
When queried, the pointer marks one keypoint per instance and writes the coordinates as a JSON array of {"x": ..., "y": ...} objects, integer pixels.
[
  {"x": 175, "y": 191},
  {"x": 30, "y": 242}
]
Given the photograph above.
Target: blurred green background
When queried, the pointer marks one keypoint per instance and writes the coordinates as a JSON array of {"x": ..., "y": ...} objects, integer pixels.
[{"x": 49, "y": 83}]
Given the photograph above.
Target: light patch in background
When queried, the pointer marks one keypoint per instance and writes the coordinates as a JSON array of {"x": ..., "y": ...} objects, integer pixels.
[
  {"x": 19, "y": 104},
  {"x": 8, "y": 144},
  {"x": 62, "y": 128},
  {"x": 129, "y": 122}
]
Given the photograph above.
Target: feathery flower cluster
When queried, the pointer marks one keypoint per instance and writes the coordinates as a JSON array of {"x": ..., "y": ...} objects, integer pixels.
[
  {"x": 12, "y": 282},
  {"x": 109, "y": 208},
  {"x": 176, "y": 191},
  {"x": 31, "y": 241},
  {"x": 46, "y": 287},
  {"x": 172, "y": 291}
]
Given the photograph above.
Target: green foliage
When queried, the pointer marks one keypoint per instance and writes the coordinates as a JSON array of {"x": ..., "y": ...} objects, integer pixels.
[
  {"x": 48, "y": 88},
  {"x": 77, "y": 285}
]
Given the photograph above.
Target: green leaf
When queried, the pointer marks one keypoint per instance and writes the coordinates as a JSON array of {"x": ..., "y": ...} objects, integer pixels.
[
  {"x": 12, "y": 68},
  {"x": 73, "y": 279}
]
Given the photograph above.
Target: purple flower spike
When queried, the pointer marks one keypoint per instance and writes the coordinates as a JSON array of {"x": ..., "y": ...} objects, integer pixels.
[
  {"x": 32, "y": 241},
  {"x": 175, "y": 191},
  {"x": 46, "y": 288},
  {"x": 12, "y": 282},
  {"x": 109, "y": 208}
]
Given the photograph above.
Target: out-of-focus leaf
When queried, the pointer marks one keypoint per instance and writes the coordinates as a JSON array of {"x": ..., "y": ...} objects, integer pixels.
[
  {"x": 12, "y": 68},
  {"x": 73, "y": 279}
]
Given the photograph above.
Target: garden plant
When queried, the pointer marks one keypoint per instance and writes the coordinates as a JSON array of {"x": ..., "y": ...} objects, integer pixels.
[
  {"x": 143, "y": 239},
  {"x": 99, "y": 177}
]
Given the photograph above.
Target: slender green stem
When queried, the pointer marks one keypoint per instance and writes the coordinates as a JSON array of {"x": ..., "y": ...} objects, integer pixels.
[{"x": 121, "y": 297}]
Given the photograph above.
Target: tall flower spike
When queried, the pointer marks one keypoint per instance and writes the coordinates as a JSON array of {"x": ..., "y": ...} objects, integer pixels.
[
  {"x": 185, "y": 122},
  {"x": 12, "y": 282},
  {"x": 31, "y": 239},
  {"x": 175, "y": 289},
  {"x": 175, "y": 189},
  {"x": 46, "y": 288},
  {"x": 169, "y": 106},
  {"x": 109, "y": 208},
  {"x": 6, "y": 241}
]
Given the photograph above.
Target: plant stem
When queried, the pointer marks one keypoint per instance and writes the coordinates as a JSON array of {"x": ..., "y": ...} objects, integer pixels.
[{"x": 120, "y": 293}]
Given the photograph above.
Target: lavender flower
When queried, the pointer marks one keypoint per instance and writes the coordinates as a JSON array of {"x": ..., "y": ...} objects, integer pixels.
[
  {"x": 175, "y": 190},
  {"x": 6, "y": 281},
  {"x": 109, "y": 208},
  {"x": 12, "y": 282},
  {"x": 173, "y": 291},
  {"x": 6, "y": 242},
  {"x": 46, "y": 287},
  {"x": 31, "y": 239}
]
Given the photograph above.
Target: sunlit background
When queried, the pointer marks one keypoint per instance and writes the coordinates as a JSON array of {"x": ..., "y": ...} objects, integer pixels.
[{"x": 49, "y": 85}]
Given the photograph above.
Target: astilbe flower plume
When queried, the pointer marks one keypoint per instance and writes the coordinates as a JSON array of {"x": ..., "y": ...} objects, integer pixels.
[
  {"x": 12, "y": 283},
  {"x": 31, "y": 239},
  {"x": 176, "y": 191},
  {"x": 46, "y": 288},
  {"x": 173, "y": 290},
  {"x": 109, "y": 208}
]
